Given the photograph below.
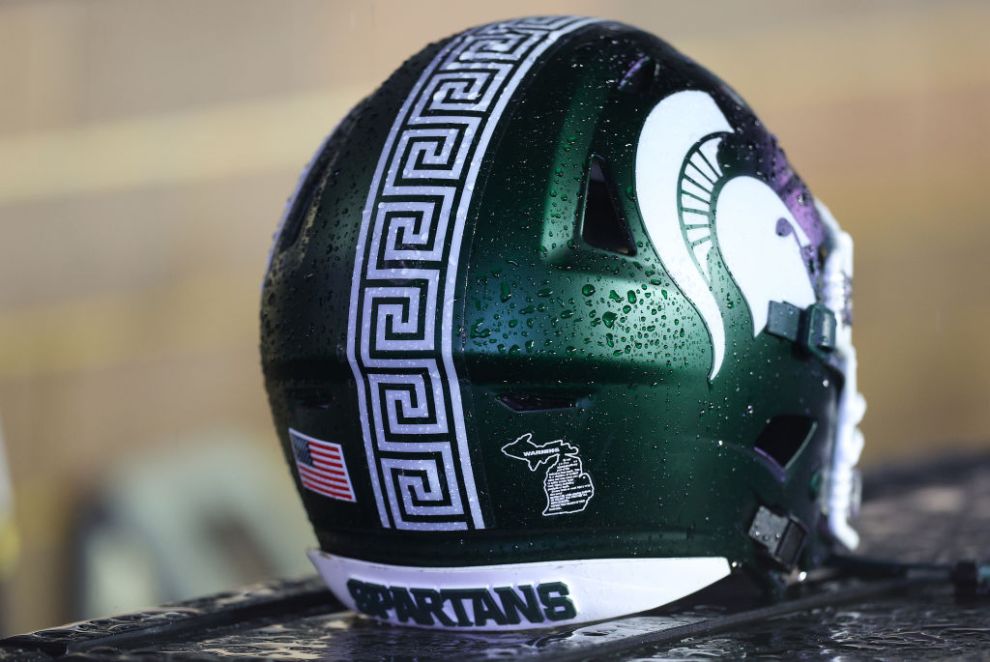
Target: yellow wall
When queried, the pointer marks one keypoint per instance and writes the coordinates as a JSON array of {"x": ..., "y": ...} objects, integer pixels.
[{"x": 146, "y": 150}]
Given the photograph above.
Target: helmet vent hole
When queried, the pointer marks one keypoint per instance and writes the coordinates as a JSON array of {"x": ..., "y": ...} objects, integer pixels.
[
  {"x": 312, "y": 398},
  {"x": 784, "y": 436},
  {"x": 525, "y": 402},
  {"x": 602, "y": 224},
  {"x": 304, "y": 207}
]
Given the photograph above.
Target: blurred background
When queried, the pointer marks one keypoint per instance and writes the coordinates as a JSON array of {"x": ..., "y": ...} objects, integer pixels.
[{"x": 147, "y": 149}]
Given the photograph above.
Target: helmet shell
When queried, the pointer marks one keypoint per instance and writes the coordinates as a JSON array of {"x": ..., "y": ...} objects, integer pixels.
[{"x": 473, "y": 304}]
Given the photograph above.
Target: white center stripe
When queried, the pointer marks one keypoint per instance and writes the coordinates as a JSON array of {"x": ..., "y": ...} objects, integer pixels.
[{"x": 402, "y": 289}]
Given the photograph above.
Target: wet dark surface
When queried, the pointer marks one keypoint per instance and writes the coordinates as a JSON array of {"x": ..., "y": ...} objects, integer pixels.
[
  {"x": 931, "y": 626},
  {"x": 926, "y": 512}
]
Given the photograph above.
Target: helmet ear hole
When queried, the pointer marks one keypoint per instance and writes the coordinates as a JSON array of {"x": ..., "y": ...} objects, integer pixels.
[
  {"x": 784, "y": 436},
  {"x": 603, "y": 224}
]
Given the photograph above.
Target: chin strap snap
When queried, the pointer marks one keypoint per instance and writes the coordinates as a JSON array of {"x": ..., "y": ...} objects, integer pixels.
[
  {"x": 780, "y": 536},
  {"x": 813, "y": 329}
]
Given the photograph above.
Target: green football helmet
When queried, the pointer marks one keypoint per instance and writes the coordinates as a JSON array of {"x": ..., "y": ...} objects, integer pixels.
[{"x": 552, "y": 333}]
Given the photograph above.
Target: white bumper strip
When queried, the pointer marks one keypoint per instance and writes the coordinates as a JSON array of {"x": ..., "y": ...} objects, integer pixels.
[{"x": 514, "y": 596}]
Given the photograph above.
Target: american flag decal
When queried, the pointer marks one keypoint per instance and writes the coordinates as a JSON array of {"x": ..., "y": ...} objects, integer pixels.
[{"x": 321, "y": 466}]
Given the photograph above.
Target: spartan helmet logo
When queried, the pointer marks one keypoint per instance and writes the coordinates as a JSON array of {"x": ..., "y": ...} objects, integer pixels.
[{"x": 692, "y": 209}]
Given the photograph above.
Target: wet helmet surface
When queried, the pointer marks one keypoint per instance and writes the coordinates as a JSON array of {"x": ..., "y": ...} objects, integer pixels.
[{"x": 552, "y": 332}]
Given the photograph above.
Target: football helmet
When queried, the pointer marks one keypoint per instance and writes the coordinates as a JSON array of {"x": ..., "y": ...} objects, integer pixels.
[{"x": 552, "y": 332}]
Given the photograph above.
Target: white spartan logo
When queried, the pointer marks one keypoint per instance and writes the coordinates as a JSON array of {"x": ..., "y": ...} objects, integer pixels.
[{"x": 759, "y": 239}]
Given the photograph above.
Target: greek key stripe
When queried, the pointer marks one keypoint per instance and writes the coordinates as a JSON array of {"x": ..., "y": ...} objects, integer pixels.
[{"x": 399, "y": 341}]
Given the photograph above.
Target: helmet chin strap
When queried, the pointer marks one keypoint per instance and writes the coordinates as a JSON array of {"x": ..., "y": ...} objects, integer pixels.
[{"x": 843, "y": 494}]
